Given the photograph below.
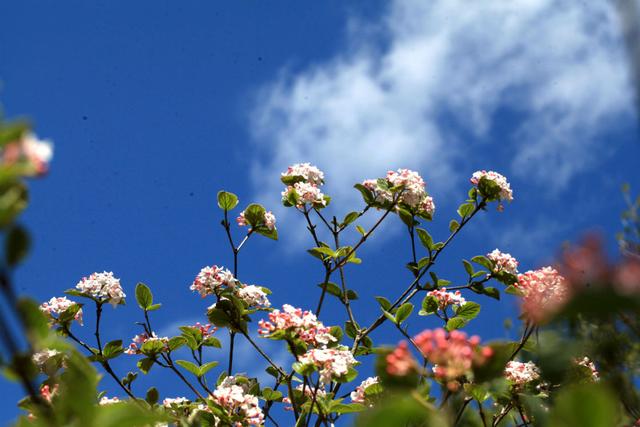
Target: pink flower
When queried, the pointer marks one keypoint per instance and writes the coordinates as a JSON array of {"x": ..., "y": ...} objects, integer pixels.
[
  {"x": 446, "y": 299},
  {"x": 47, "y": 392},
  {"x": 414, "y": 194},
  {"x": 139, "y": 340},
  {"x": 498, "y": 179},
  {"x": 307, "y": 172},
  {"x": 253, "y": 295},
  {"x": 627, "y": 277},
  {"x": 34, "y": 153},
  {"x": 331, "y": 362},
  {"x": 519, "y": 373},
  {"x": 358, "y": 395},
  {"x": 503, "y": 262},
  {"x": 400, "y": 362},
  {"x": 544, "y": 292},
  {"x": 305, "y": 193},
  {"x": 210, "y": 279},
  {"x": 269, "y": 220},
  {"x": 233, "y": 397},
  {"x": 57, "y": 306},
  {"x": 300, "y": 324},
  {"x": 102, "y": 286},
  {"x": 206, "y": 330}
]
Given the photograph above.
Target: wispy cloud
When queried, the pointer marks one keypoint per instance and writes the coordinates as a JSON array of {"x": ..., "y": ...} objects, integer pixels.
[{"x": 426, "y": 87}]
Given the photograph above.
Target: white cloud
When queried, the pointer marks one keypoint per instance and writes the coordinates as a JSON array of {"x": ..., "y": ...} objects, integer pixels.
[{"x": 422, "y": 88}]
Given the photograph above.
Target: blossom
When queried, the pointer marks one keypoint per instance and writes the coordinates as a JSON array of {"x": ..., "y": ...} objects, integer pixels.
[
  {"x": 139, "y": 340},
  {"x": 303, "y": 193},
  {"x": 206, "y": 330},
  {"x": 307, "y": 391},
  {"x": 381, "y": 195},
  {"x": 41, "y": 357},
  {"x": 414, "y": 194},
  {"x": 445, "y": 299},
  {"x": 36, "y": 153},
  {"x": 331, "y": 362},
  {"x": 102, "y": 286},
  {"x": 269, "y": 220},
  {"x": 587, "y": 363},
  {"x": 358, "y": 395},
  {"x": 254, "y": 296},
  {"x": 47, "y": 392},
  {"x": 453, "y": 354},
  {"x": 400, "y": 362},
  {"x": 104, "y": 400},
  {"x": 505, "y": 192},
  {"x": 58, "y": 305},
  {"x": 306, "y": 172},
  {"x": 544, "y": 291},
  {"x": 520, "y": 373},
  {"x": 627, "y": 277},
  {"x": 210, "y": 279},
  {"x": 233, "y": 397},
  {"x": 301, "y": 324},
  {"x": 503, "y": 262},
  {"x": 169, "y": 401}
]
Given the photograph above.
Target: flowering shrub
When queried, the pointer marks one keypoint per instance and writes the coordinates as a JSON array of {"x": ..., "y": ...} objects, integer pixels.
[{"x": 432, "y": 377}]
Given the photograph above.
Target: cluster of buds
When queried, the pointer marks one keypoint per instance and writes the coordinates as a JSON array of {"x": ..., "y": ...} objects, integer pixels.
[
  {"x": 503, "y": 262},
  {"x": 103, "y": 287},
  {"x": 358, "y": 395},
  {"x": 331, "y": 363},
  {"x": 303, "y": 182},
  {"x": 414, "y": 195},
  {"x": 521, "y": 373},
  {"x": 233, "y": 397},
  {"x": 30, "y": 154},
  {"x": 298, "y": 324},
  {"x": 269, "y": 220},
  {"x": 544, "y": 291},
  {"x": 139, "y": 341},
  {"x": 493, "y": 186},
  {"x": 446, "y": 299},
  {"x": 452, "y": 354},
  {"x": 58, "y": 306}
]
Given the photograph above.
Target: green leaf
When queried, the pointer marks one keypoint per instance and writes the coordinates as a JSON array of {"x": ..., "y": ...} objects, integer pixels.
[
  {"x": 112, "y": 349},
  {"x": 351, "y": 294},
  {"x": 492, "y": 292},
  {"x": 227, "y": 201},
  {"x": 455, "y": 323},
  {"x": 591, "y": 405},
  {"x": 303, "y": 369},
  {"x": 343, "y": 408},
  {"x": 270, "y": 394},
  {"x": 361, "y": 230},
  {"x": 468, "y": 310},
  {"x": 145, "y": 364},
  {"x": 512, "y": 290},
  {"x": 406, "y": 217},
  {"x": 349, "y": 218},
  {"x": 331, "y": 288},
  {"x": 385, "y": 304},
  {"x": 321, "y": 251},
  {"x": 154, "y": 307},
  {"x": 152, "y": 396},
  {"x": 254, "y": 215},
  {"x": 367, "y": 195},
  {"x": 191, "y": 367},
  {"x": 144, "y": 297},
  {"x": 476, "y": 391},
  {"x": 206, "y": 368},
  {"x": 429, "y": 305},
  {"x": 483, "y": 261},
  {"x": 218, "y": 317},
  {"x": 348, "y": 377},
  {"x": 468, "y": 267},
  {"x": 265, "y": 231},
  {"x": 403, "y": 312},
  {"x": 177, "y": 342},
  {"x": 350, "y": 329},
  {"x": 425, "y": 238},
  {"x": 17, "y": 245},
  {"x": 465, "y": 209},
  {"x": 212, "y": 342},
  {"x": 389, "y": 316},
  {"x": 453, "y": 225}
]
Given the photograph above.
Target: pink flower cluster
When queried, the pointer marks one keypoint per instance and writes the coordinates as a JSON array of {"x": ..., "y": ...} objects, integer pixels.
[
  {"x": 269, "y": 220},
  {"x": 414, "y": 193},
  {"x": 400, "y": 362},
  {"x": 331, "y": 362},
  {"x": 358, "y": 395},
  {"x": 544, "y": 292},
  {"x": 452, "y": 354},
  {"x": 521, "y": 373},
  {"x": 211, "y": 279},
  {"x": 233, "y": 397},
  {"x": 139, "y": 340},
  {"x": 206, "y": 330},
  {"x": 503, "y": 262},
  {"x": 307, "y": 189},
  {"x": 102, "y": 286},
  {"x": 58, "y": 305},
  {"x": 500, "y": 180},
  {"x": 47, "y": 392},
  {"x": 445, "y": 299},
  {"x": 301, "y": 324},
  {"x": 29, "y": 149}
]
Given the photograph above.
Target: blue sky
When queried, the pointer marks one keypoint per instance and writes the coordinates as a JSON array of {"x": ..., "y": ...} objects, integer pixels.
[{"x": 154, "y": 108}]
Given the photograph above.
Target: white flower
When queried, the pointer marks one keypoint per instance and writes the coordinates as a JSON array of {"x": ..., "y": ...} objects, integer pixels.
[
  {"x": 174, "y": 401},
  {"x": 234, "y": 398},
  {"x": 503, "y": 262},
  {"x": 254, "y": 296},
  {"x": 41, "y": 357},
  {"x": 500, "y": 180},
  {"x": 520, "y": 373},
  {"x": 58, "y": 305},
  {"x": 209, "y": 279},
  {"x": 102, "y": 286},
  {"x": 358, "y": 395},
  {"x": 307, "y": 171},
  {"x": 108, "y": 401},
  {"x": 331, "y": 362}
]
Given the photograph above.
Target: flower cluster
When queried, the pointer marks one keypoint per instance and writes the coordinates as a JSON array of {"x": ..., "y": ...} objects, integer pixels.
[
  {"x": 206, "y": 330},
  {"x": 41, "y": 357},
  {"x": 30, "y": 151},
  {"x": 300, "y": 324},
  {"x": 268, "y": 221},
  {"x": 177, "y": 401},
  {"x": 400, "y": 362},
  {"x": 303, "y": 182},
  {"x": 331, "y": 362},
  {"x": 103, "y": 287},
  {"x": 211, "y": 279},
  {"x": 452, "y": 354},
  {"x": 543, "y": 292},
  {"x": 445, "y": 299},
  {"x": 59, "y": 305},
  {"x": 139, "y": 340},
  {"x": 587, "y": 363},
  {"x": 502, "y": 187},
  {"x": 358, "y": 395},
  {"x": 503, "y": 262},
  {"x": 253, "y": 295},
  {"x": 104, "y": 400},
  {"x": 414, "y": 194},
  {"x": 47, "y": 392},
  {"x": 233, "y": 397},
  {"x": 521, "y": 373}
]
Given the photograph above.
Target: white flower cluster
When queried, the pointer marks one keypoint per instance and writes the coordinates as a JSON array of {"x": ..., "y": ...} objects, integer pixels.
[
  {"x": 269, "y": 220},
  {"x": 58, "y": 305},
  {"x": 102, "y": 286},
  {"x": 414, "y": 193},
  {"x": 254, "y": 296},
  {"x": 445, "y": 299},
  {"x": 503, "y": 262},
  {"x": 233, "y": 397},
  {"x": 500, "y": 180},
  {"x": 520, "y": 373},
  {"x": 177, "y": 401},
  {"x": 209, "y": 279},
  {"x": 306, "y": 188},
  {"x": 104, "y": 400},
  {"x": 358, "y": 395},
  {"x": 303, "y": 324},
  {"x": 331, "y": 362},
  {"x": 41, "y": 357}
]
